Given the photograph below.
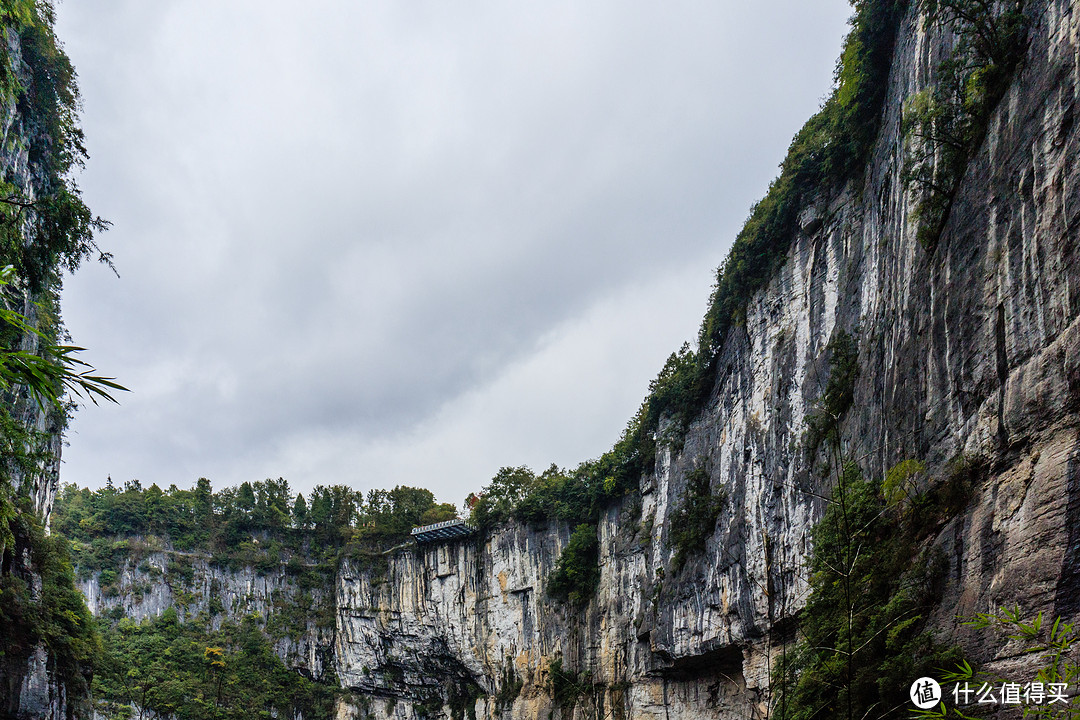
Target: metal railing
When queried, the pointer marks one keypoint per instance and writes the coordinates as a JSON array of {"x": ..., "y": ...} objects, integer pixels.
[{"x": 437, "y": 526}]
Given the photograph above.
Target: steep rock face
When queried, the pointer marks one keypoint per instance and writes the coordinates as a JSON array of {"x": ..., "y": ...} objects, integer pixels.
[
  {"x": 28, "y": 689},
  {"x": 16, "y": 168},
  {"x": 450, "y": 620},
  {"x": 471, "y": 617}
]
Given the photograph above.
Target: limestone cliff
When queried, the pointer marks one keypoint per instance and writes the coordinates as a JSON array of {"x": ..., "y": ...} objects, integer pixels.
[
  {"x": 970, "y": 350},
  {"x": 35, "y": 682}
]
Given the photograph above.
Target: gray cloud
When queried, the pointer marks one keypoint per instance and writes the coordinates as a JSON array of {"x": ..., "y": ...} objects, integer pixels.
[{"x": 384, "y": 243}]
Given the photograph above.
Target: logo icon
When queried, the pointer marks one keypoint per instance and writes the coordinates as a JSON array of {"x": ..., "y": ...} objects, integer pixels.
[{"x": 925, "y": 693}]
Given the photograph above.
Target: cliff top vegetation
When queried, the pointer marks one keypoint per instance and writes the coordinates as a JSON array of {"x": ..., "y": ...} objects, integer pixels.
[{"x": 261, "y": 524}]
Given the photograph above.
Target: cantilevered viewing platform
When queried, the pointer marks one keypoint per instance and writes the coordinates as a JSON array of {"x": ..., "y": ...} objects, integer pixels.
[{"x": 445, "y": 530}]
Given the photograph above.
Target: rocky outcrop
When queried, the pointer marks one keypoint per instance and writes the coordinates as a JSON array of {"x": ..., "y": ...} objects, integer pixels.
[{"x": 156, "y": 579}]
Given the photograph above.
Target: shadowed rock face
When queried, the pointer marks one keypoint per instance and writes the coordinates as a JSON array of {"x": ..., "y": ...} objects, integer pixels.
[{"x": 972, "y": 350}]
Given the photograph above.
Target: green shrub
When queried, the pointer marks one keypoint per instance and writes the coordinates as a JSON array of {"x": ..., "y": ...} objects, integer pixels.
[
  {"x": 1054, "y": 643},
  {"x": 577, "y": 576},
  {"x": 180, "y": 571},
  {"x": 429, "y": 707},
  {"x": 566, "y": 687}
]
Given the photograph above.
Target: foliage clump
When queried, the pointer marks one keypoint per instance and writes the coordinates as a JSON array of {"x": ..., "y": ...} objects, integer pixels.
[
  {"x": 171, "y": 668},
  {"x": 566, "y": 686},
  {"x": 577, "y": 576},
  {"x": 501, "y": 499},
  {"x": 1048, "y": 696}
]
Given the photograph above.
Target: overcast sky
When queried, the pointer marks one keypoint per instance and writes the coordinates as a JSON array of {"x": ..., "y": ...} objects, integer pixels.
[{"x": 381, "y": 243}]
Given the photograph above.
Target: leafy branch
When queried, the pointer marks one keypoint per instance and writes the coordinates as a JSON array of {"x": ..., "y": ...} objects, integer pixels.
[
  {"x": 1059, "y": 669},
  {"x": 54, "y": 369}
]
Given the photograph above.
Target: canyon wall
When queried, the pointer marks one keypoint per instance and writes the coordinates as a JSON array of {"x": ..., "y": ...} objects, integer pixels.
[
  {"x": 29, "y": 684},
  {"x": 969, "y": 351}
]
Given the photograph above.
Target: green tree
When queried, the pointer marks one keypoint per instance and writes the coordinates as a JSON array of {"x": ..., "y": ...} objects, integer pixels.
[
  {"x": 245, "y": 498},
  {"x": 272, "y": 503},
  {"x": 499, "y": 498},
  {"x": 300, "y": 512},
  {"x": 863, "y": 637}
]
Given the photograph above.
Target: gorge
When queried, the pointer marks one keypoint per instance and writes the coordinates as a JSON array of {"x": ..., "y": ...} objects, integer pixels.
[{"x": 857, "y": 324}]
